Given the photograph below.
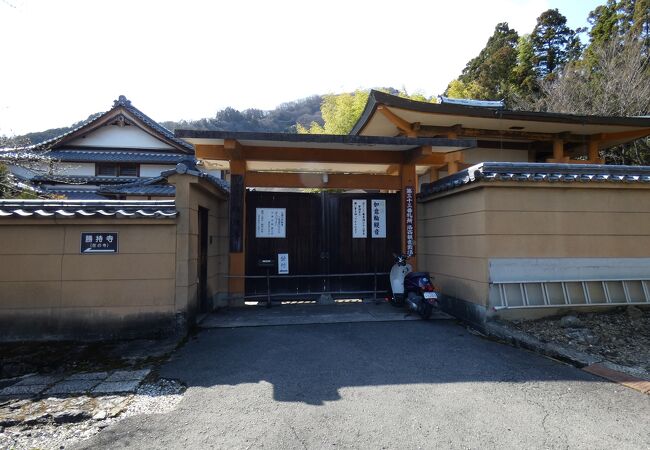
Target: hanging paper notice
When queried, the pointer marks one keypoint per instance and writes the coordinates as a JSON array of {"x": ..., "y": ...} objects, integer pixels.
[
  {"x": 270, "y": 223},
  {"x": 359, "y": 220},
  {"x": 283, "y": 263},
  {"x": 378, "y": 218}
]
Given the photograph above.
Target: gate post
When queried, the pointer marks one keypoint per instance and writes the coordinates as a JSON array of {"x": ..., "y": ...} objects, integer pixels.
[
  {"x": 407, "y": 213},
  {"x": 237, "y": 260}
]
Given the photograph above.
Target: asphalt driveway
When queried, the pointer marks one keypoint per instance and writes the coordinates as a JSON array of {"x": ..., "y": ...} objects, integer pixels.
[{"x": 380, "y": 385}]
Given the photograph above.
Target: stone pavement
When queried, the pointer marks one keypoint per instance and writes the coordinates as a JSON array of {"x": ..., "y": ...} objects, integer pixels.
[
  {"x": 305, "y": 314},
  {"x": 91, "y": 383}
]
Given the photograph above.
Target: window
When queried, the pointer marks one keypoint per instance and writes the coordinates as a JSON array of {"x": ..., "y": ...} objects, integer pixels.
[{"x": 117, "y": 170}]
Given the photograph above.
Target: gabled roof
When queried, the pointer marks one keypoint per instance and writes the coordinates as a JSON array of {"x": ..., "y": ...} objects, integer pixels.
[{"x": 122, "y": 110}]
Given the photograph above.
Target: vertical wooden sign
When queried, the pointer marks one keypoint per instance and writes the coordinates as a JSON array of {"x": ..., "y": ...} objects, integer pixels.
[
  {"x": 409, "y": 204},
  {"x": 236, "y": 213}
]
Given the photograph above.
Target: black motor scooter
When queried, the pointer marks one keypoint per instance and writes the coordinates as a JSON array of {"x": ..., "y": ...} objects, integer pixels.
[{"x": 413, "y": 288}]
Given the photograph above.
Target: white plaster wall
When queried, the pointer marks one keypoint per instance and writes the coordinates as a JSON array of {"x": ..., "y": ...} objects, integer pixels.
[
  {"x": 479, "y": 155},
  {"x": 121, "y": 137},
  {"x": 153, "y": 170}
]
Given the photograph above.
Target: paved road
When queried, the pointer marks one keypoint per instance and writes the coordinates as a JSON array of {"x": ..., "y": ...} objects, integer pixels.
[{"x": 380, "y": 385}]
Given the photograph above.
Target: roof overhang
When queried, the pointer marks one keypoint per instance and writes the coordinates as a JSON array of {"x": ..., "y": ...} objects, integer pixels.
[
  {"x": 388, "y": 115},
  {"x": 322, "y": 141},
  {"x": 304, "y": 153}
]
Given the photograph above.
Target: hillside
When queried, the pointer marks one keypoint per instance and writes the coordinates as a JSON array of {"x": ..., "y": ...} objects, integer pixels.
[{"x": 282, "y": 119}]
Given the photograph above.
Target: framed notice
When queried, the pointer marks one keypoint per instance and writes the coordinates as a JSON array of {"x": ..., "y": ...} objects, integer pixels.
[
  {"x": 378, "y": 218},
  {"x": 283, "y": 263},
  {"x": 359, "y": 219},
  {"x": 270, "y": 222},
  {"x": 98, "y": 242}
]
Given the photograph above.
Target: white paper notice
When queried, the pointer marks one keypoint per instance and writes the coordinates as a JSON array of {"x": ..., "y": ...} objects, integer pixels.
[
  {"x": 271, "y": 223},
  {"x": 378, "y": 218},
  {"x": 283, "y": 263},
  {"x": 359, "y": 221}
]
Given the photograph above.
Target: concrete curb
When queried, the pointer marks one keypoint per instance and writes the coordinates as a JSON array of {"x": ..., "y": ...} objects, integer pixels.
[{"x": 589, "y": 363}]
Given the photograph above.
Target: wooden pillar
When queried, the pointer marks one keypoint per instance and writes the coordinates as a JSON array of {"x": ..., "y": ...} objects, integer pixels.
[
  {"x": 408, "y": 212},
  {"x": 434, "y": 174},
  {"x": 452, "y": 167},
  {"x": 237, "y": 256},
  {"x": 558, "y": 150},
  {"x": 594, "y": 156}
]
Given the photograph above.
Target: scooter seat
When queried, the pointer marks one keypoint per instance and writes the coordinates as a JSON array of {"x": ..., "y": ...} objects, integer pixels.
[{"x": 417, "y": 275}]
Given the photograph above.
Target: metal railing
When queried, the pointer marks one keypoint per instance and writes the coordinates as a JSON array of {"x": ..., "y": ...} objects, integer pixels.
[
  {"x": 325, "y": 286},
  {"x": 570, "y": 293}
]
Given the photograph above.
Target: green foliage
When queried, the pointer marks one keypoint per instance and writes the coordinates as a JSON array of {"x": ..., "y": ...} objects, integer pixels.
[
  {"x": 554, "y": 43},
  {"x": 8, "y": 189},
  {"x": 489, "y": 75},
  {"x": 341, "y": 111}
]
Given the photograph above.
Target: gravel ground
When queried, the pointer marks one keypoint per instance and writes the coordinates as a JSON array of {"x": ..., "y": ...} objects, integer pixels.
[
  {"x": 159, "y": 397},
  {"x": 621, "y": 336}
]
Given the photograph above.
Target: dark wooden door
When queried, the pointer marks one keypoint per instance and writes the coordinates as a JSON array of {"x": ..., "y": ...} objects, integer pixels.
[{"x": 319, "y": 241}]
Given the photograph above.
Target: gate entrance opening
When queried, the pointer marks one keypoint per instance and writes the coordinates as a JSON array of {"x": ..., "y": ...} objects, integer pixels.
[
  {"x": 313, "y": 236},
  {"x": 325, "y": 233}
]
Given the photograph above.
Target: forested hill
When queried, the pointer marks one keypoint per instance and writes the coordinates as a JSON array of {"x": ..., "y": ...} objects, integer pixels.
[{"x": 281, "y": 119}]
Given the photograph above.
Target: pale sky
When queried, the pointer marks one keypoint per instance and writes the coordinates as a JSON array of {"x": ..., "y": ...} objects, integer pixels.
[{"x": 186, "y": 59}]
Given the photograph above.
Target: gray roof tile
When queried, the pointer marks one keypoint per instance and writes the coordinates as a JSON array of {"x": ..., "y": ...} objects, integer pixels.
[
  {"x": 88, "y": 208},
  {"x": 539, "y": 172}
]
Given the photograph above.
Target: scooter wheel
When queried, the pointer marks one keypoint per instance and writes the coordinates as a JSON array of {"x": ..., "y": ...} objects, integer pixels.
[{"x": 426, "y": 311}]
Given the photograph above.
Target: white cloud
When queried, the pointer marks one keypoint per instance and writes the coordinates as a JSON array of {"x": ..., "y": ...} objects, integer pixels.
[{"x": 187, "y": 59}]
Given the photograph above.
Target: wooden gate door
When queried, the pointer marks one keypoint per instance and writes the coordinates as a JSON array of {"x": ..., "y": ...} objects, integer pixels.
[
  {"x": 318, "y": 239},
  {"x": 370, "y": 254}
]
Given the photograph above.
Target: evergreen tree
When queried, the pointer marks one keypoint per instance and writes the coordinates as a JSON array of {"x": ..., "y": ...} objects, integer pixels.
[
  {"x": 489, "y": 75},
  {"x": 554, "y": 44}
]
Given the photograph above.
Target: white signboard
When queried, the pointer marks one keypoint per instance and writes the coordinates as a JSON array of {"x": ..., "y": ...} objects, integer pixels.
[
  {"x": 378, "y": 218},
  {"x": 271, "y": 223},
  {"x": 283, "y": 263},
  {"x": 359, "y": 220}
]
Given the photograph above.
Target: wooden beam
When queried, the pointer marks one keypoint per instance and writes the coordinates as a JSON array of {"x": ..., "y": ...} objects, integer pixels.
[
  {"x": 295, "y": 154},
  {"x": 315, "y": 180},
  {"x": 403, "y": 125},
  {"x": 594, "y": 155},
  {"x": 630, "y": 135},
  {"x": 429, "y": 130},
  {"x": 558, "y": 149}
]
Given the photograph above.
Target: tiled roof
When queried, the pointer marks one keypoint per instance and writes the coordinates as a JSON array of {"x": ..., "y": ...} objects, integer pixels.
[
  {"x": 158, "y": 186},
  {"x": 152, "y": 187},
  {"x": 189, "y": 167},
  {"x": 65, "y": 155},
  {"x": 75, "y": 194},
  {"x": 82, "y": 179},
  {"x": 88, "y": 208},
  {"x": 539, "y": 172},
  {"x": 122, "y": 102}
]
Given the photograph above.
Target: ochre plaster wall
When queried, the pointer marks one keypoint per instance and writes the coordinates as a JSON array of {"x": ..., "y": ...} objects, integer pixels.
[
  {"x": 460, "y": 231},
  {"x": 49, "y": 290},
  {"x": 192, "y": 193}
]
